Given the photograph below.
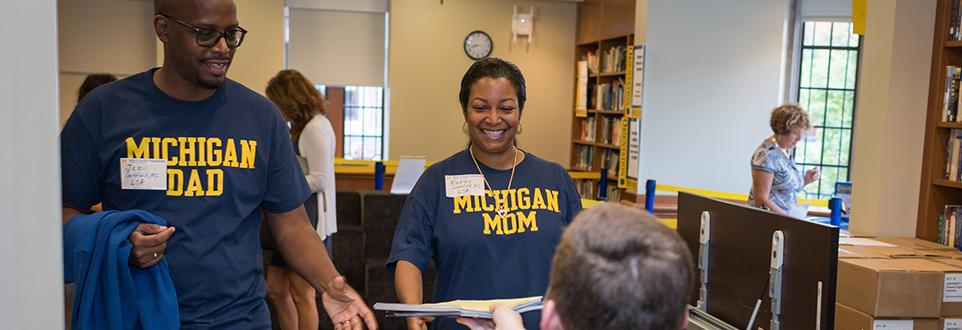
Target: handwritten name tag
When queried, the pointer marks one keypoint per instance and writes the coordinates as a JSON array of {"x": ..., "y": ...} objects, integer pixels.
[
  {"x": 143, "y": 174},
  {"x": 463, "y": 185}
]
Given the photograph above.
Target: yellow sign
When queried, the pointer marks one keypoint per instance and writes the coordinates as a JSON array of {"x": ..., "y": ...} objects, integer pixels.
[
  {"x": 581, "y": 113},
  {"x": 858, "y": 16}
]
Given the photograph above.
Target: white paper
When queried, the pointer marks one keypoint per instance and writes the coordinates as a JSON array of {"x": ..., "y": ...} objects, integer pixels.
[
  {"x": 143, "y": 174},
  {"x": 799, "y": 211},
  {"x": 463, "y": 185},
  {"x": 858, "y": 241},
  {"x": 638, "y": 76},
  {"x": 408, "y": 172},
  {"x": 952, "y": 289},
  {"x": 893, "y": 325},
  {"x": 952, "y": 324}
]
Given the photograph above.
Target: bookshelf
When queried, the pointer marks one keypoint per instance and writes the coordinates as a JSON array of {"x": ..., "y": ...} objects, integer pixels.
[
  {"x": 938, "y": 189},
  {"x": 596, "y": 137}
]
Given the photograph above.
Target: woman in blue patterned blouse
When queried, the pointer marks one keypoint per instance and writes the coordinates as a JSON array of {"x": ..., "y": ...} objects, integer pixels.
[{"x": 775, "y": 179}]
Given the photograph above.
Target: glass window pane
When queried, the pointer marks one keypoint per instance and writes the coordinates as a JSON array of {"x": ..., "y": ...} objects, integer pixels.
[
  {"x": 823, "y": 32},
  {"x": 808, "y": 36},
  {"x": 370, "y": 147},
  {"x": 827, "y": 183},
  {"x": 840, "y": 34},
  {"x": 816, "y": 107},
  {"x": 852, "y": 69},
  {"x": 804, "y": 96},
  {"x": 371, "y": 124},
  {"x": 848, "y": 104},
  {"x": 836, "y": 100},
  {"x": 805, "y": 74},
  {"x": 838, "y": 66},
  {"x": 819, "y": 68},
  {"x": 852, "y": 38},
  {"x": 813, "y": 151},
  {"x": 846, "y": 138},
  {"x": 352, "y": 121},
  {"x": 831, "y": 147}
]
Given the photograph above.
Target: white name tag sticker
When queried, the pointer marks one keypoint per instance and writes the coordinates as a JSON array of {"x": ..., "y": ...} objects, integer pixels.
[
  {"x": 463, "y": 185},
  {"x": 893, "y": 325},
  {"x": 143, "y": 174},
  {"x": 952, "y": 289}
]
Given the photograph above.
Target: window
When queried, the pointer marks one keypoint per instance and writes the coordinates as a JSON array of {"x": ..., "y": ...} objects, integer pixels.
[
  {"x": 826, "y": 89},
  {"x": 363, "y": 122}
]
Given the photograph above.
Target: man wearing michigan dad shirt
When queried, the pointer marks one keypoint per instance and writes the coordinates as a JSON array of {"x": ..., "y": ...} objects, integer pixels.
[{"x": 209, "y": 156}]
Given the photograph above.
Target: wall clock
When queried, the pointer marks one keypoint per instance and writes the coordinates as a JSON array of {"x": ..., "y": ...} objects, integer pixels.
[{"x": 478, "y": 45}]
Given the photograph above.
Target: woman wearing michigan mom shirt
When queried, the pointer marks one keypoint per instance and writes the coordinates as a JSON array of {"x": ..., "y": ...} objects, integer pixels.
[{"x": 490, "y": 215}]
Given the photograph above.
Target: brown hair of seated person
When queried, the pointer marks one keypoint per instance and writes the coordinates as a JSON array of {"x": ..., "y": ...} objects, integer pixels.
[{"x": 618, "y": 267}]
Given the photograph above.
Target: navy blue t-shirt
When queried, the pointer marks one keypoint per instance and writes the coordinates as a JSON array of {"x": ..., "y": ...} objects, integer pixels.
[
  {"x": 227, "y": 158},
  {"x": 479, "y": 254}
]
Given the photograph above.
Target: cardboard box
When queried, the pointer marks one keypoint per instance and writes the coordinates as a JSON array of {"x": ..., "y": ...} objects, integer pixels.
[
  {"x": 951, "y": 288},
  {"x": 848, "y": 251},
  {"x": 915, "y": 243},
  {"x": 847, "y": 318},
  {"x": 898, "y": 288},
  {"x": 859, "y": 251}
]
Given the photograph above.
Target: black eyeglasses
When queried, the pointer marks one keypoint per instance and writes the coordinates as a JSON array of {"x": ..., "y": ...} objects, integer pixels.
[{"x": 207, "y": 37}]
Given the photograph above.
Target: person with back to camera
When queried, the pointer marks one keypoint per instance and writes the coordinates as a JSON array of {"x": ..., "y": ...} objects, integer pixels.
[
  {"x": 775, "y": 179},
  {"x": 616, "y": 268},
  {"x": 227, "y": 159},
  {"x": 490, "y": 215},
  {"x": 304, "y": 107}
]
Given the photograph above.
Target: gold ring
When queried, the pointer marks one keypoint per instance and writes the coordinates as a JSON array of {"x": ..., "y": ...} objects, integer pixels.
[{"x": 155, "y": 255}]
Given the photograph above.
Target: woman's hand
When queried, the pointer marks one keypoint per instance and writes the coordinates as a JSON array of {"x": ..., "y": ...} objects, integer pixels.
[{"x": 812, "y": 175}]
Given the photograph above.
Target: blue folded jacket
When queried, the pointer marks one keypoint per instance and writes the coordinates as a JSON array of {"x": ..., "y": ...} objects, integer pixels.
[{"x": 111, "y": 293}]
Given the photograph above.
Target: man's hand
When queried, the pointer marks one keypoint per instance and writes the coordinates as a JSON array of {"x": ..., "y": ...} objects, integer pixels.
[
  {"x": 150, "y": 244},
  {"x": 504, "y": 319},
  {"x": 418, "y": 323},
  {"x": 345, "y": 307}
]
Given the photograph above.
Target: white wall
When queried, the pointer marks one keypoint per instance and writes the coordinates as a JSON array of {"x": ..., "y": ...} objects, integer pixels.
[
  {"x": 336, "y": 47},
  {"x": 31, "y": 283},
  {"x": 890, "y": 116},
  {"x": 426, "y": 62},
  {"x": 713, "y": 74},
  {"x": 101, "y": 36}
]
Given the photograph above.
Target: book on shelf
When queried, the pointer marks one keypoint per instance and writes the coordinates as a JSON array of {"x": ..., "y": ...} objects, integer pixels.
[
  {"x": 609, "y": 96},
  {"x": 586, "y": 188},
  {"x": 614, "y": 59},
  {"x": 616, "y": 132},
  {"x": 953, "y": 155},
  {"x": 585, "y": 157},
  {"x": 610, "y": 162},
  {"x": 588, "y": 129},
  {"x": 581, "y": 99},
  {"x": 950, "y": 228},
  {"x": 591, "y": 58},
  {"x": 951, "y": 100},
  {"x": 954, "y": 33},
  {"x": 614, "y": 194},
  {"x": 607, "y": 128}
]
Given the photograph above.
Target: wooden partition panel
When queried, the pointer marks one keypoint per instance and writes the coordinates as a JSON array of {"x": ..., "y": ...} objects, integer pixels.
[{"x": 739, "y": 263}]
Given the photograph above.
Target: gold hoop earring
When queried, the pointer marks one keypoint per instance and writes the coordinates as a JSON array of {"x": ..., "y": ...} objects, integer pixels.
[{"x": 464, "y": 128}]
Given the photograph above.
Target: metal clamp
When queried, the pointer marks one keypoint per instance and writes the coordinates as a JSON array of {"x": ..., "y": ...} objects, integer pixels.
[
  {"x": 704, "y": 237},
  {"x": 775, "y": 278}
]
